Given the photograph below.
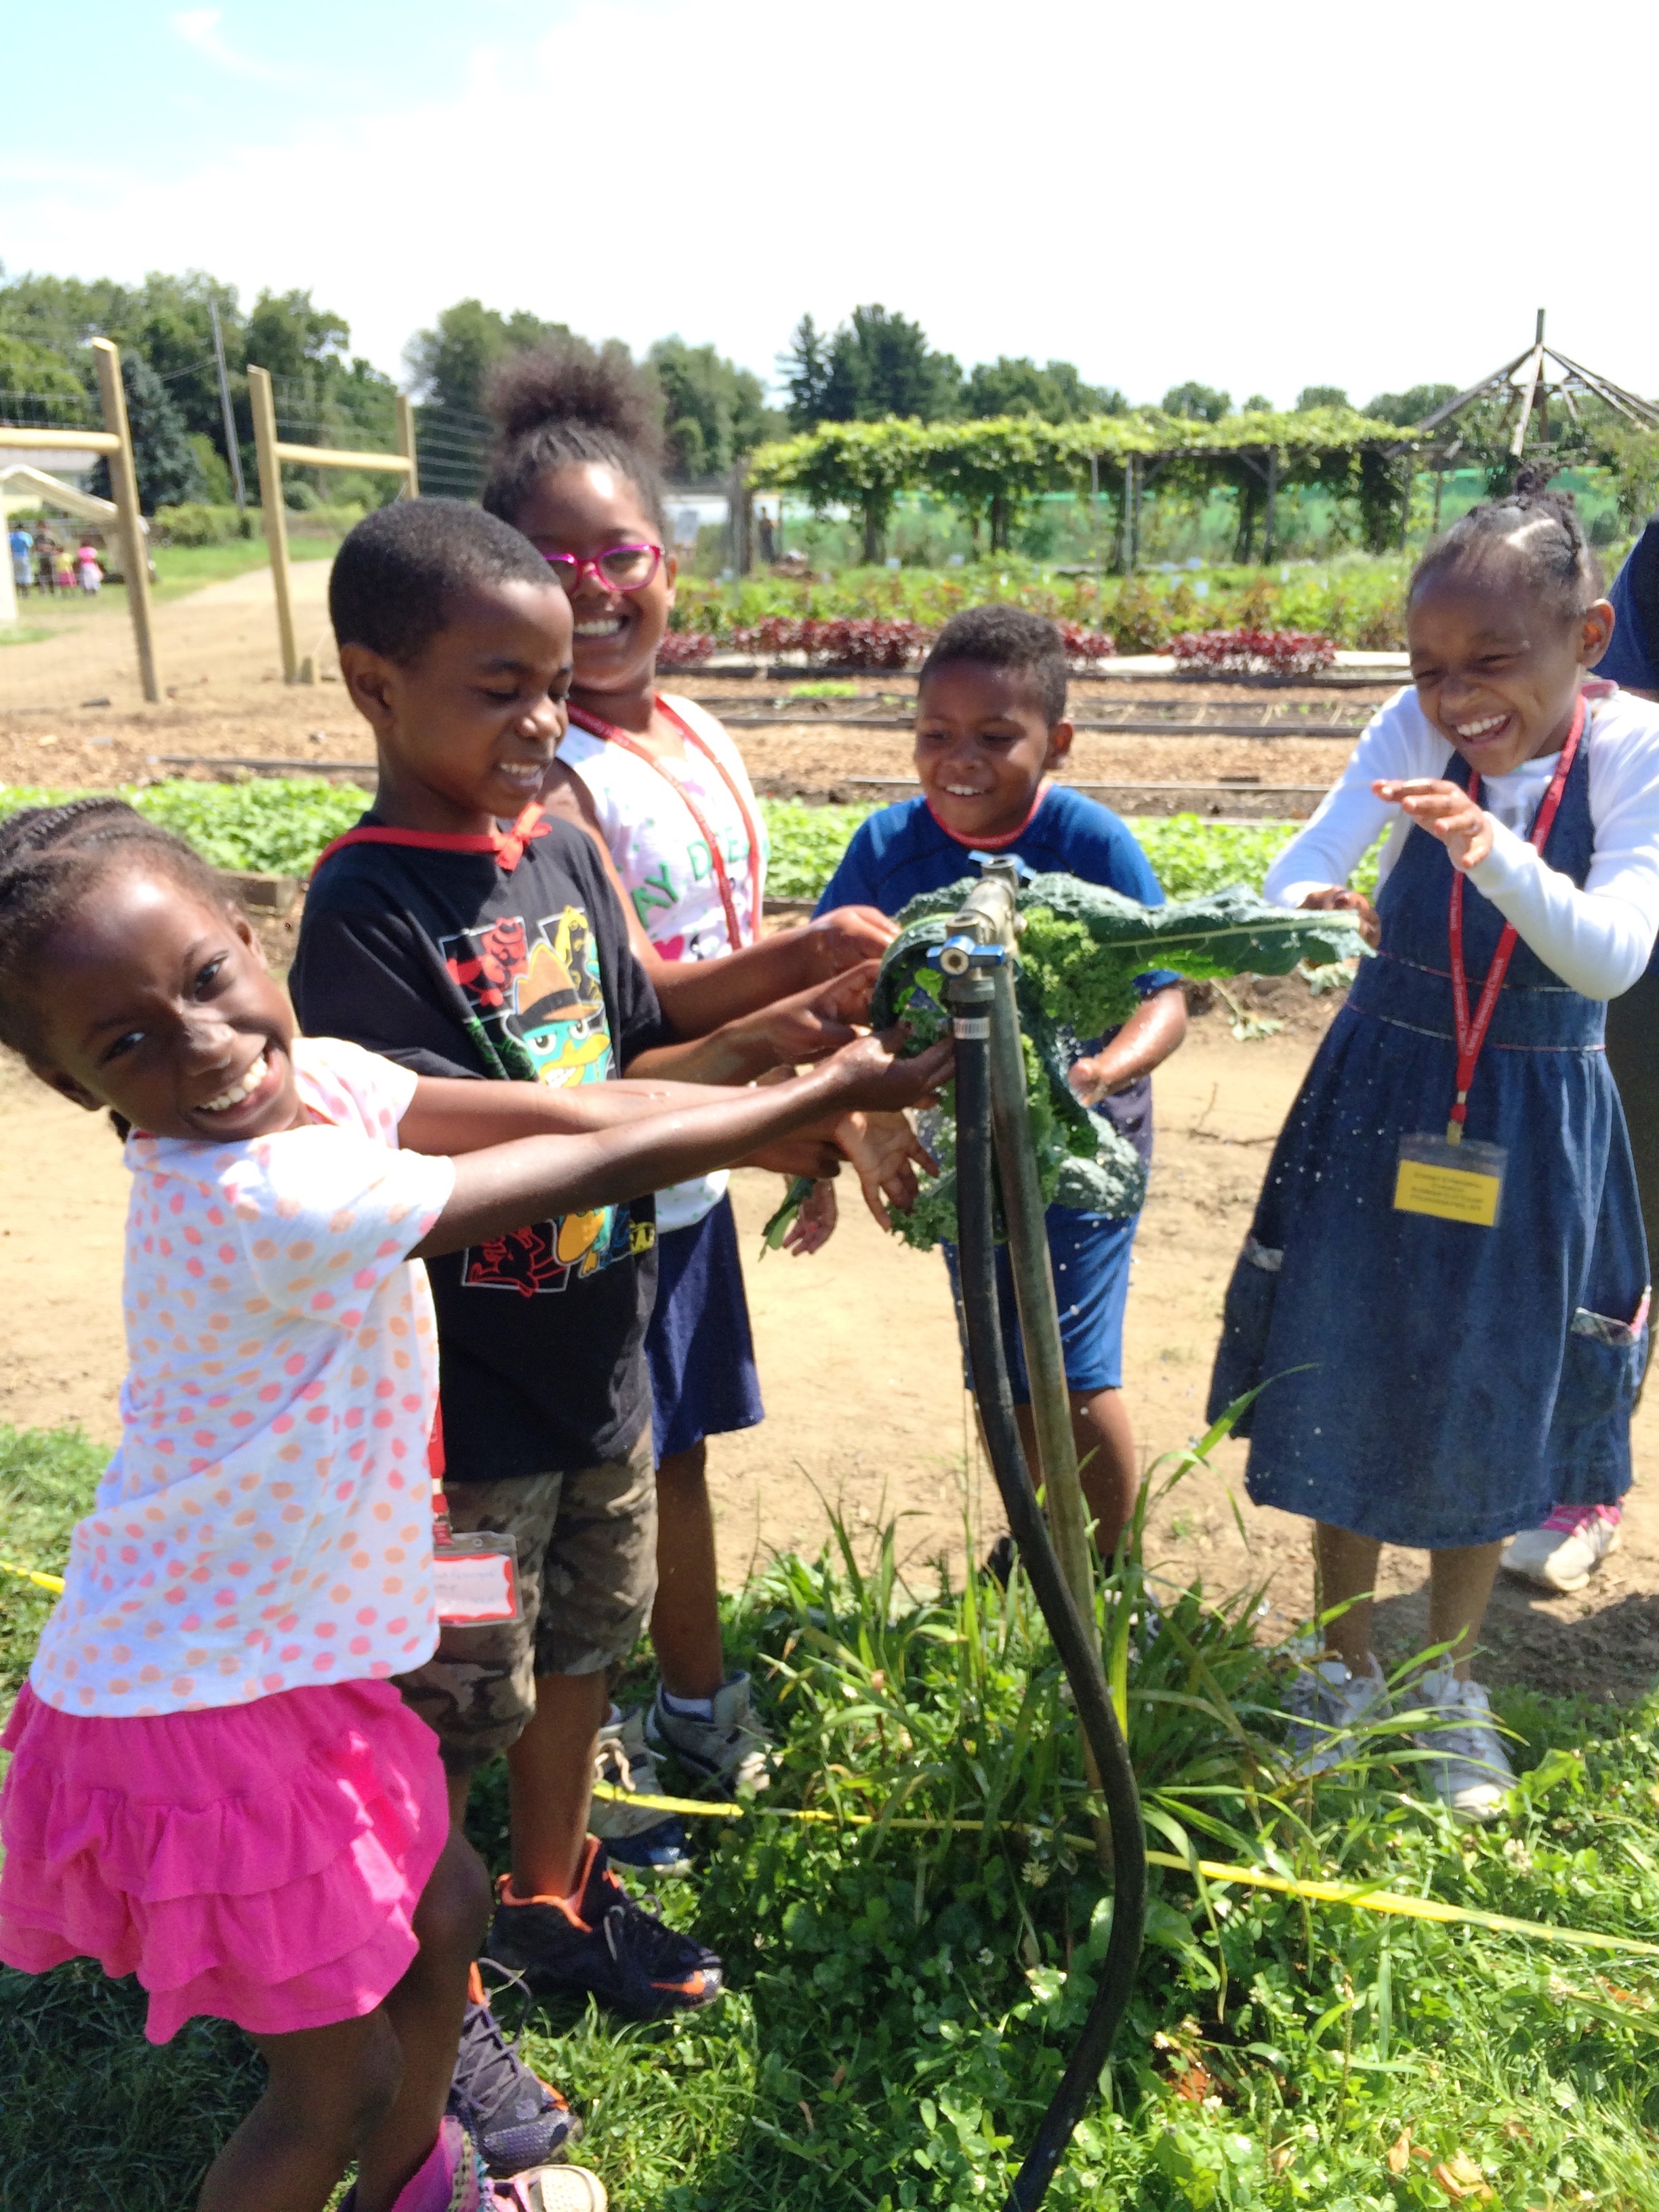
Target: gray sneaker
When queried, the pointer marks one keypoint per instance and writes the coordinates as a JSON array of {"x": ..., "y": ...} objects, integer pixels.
[
  {"x": 1467, "y": 1768},
  {"x": 1325, "y": 1704},
  {"x": 636, "y": 1836},
  {"x": 732, "y": 1750}
]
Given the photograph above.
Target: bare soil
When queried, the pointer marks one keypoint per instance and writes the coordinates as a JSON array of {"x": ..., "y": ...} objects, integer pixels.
[
  {"x": 857, "y": 1346},
  {"x": 861, "y": 1374}
]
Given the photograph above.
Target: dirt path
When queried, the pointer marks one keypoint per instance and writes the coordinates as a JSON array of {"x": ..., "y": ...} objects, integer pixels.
[{"x": 861, "y": 1371}]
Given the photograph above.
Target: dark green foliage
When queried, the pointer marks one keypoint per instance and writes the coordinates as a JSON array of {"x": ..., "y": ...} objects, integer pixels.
[
  {"x": 713, "y": 411},
  {"x": 879, "y": 364},
  {"x": 169, "y": 473},
  {"x": 1320, "y": 395},
  {"x": 1200, "y": 402},
  {"x": 1409, "y": 408},
  {"x": 1080, "y": 952},
  {"x": 1056, "y": 391},
  {"x": 449, "y": 363}
]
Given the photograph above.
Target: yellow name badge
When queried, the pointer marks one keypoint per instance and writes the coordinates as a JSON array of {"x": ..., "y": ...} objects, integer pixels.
[{"x": 1452, "y": 1183}]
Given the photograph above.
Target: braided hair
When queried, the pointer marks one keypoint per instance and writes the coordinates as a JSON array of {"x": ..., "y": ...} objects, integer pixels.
[
  {"x": 562, "y": 404},
  {"x": 51, "y": 857},
  {"x": 1531, "y": 524}
]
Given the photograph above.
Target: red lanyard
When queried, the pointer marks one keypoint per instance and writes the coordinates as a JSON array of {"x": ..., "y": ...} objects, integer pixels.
[
  {"x": 1472, "y": 1034},
  {"x": 598, "y": 728},
  {"x": 506, "y": 845}
]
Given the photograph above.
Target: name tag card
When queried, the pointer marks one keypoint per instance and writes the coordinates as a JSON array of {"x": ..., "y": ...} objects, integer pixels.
[
  {"x": 476, "y": 1580},
  {"x": 1451, "y": 1182}
]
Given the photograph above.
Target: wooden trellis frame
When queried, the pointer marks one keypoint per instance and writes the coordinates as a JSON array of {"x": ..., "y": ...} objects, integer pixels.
[
  {"x": 114, "y": 442},
  {"x": 272, "y": 452}
]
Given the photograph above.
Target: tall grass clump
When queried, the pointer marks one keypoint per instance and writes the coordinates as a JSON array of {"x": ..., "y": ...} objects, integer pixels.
[{"x": 907, "y": 1974}]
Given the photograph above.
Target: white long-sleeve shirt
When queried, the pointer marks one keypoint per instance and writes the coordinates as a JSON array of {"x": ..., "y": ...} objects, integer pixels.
[{"x": 1598, "y": 939}]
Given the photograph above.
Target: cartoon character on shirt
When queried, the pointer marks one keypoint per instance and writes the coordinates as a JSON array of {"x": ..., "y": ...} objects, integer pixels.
[
  {"x": 536, "y": 998},
  {"x": 558, "y": 1013}
]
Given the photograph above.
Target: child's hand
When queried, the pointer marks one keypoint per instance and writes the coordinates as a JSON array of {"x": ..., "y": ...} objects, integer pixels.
[
  {"x": 804, "y": 1154},
  {"x": 848, "y": 935},
  {"x": 872, "y": 1076},
  {"x": 885, "y": 1153},
  {"x": 812, "y": 1023},
  {"x": 1336, "y": 899},
  {"x": 1461, "y": 827},
  {"x": 814, "y": 1224}
]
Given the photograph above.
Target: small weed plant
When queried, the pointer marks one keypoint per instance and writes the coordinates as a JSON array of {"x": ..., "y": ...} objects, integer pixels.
[{"x": 907, "y": 1969}]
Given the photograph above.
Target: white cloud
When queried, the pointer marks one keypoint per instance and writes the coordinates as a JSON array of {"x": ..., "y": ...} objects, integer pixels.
[
  {"x": 199, "y": 28},
  {"x": 1259, "y": 205}
]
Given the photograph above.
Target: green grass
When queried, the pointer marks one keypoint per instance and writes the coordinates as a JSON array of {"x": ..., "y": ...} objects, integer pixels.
[
  {"x": 22, "y": 634},
  {"x": 900, "y": 2004}
]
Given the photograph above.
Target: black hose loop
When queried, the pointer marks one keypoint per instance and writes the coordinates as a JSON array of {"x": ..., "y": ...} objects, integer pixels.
[{"x": 1075, "y": 1640}]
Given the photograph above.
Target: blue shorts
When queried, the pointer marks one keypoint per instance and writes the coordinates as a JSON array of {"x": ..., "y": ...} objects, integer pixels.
[
  {"x": 1089, "y": 1253},
  {"x": 698, "y": 1346}
]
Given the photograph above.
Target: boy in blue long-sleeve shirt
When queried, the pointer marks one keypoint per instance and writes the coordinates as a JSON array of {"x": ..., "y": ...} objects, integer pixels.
[{"x": 991, "y": 728}]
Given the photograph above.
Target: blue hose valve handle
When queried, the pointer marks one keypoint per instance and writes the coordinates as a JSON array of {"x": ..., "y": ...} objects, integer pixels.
[{"x": 958, "y": 954}]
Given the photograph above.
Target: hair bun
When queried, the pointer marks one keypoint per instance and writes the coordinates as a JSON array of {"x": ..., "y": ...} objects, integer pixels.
[{"x": 567, "y": 381}]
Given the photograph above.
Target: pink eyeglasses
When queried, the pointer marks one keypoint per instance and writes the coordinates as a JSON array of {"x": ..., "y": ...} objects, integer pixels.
[{"x": 618, "y": 569}]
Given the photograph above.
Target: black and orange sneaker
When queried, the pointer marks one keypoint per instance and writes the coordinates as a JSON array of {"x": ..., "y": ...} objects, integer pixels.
[
  {"x": 599, "y": 1939},
  {"x": 517, "y": 2120}
]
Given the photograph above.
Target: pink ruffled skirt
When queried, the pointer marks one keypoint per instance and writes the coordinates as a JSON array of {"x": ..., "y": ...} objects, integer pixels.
[{"x": 261, "y": 1862}]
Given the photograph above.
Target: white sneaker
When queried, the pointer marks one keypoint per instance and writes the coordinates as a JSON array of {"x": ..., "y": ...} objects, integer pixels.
[
  {"x": 549, "y": 2189},
  {"x": 731, "y": 1748},
  {"x": 647, "y": 1840},
  {"x": 1325, "y": 1704},
  {"x": 1467, "y": 1768},
  {"x": 1566, "y": 1552}
]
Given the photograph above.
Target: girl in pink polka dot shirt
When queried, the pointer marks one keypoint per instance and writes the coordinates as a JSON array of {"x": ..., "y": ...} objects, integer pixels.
[{"x": 213, "y": 1784}]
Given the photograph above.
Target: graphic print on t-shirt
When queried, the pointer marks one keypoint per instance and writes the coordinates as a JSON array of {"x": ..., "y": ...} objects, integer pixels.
[{"x": 538, "y": 1010}]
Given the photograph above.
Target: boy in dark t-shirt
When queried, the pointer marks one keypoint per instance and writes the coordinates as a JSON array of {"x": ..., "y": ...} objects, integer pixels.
[
  {"x": 434, "y": 936},
  {"x": 455, "y": 964}
]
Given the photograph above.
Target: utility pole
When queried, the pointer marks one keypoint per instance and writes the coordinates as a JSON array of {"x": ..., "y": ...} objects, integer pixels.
[{"x": 233, "y": 452}]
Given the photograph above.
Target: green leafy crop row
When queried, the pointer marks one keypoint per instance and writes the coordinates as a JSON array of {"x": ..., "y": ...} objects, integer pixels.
[{"x": 280, "y": 825}]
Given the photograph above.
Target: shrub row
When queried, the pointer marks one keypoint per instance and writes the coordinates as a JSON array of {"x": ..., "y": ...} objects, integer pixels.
[
  {"x": 197, "y": 522},
  {"x": 1354, "y": 603},
  {"x": 1252, "y": 653}
]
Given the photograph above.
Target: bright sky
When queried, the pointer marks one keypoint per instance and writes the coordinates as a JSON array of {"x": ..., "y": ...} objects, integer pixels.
[{"x": 1257, "y": 196}]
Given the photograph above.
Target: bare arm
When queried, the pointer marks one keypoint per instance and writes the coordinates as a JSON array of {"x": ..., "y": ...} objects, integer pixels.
[
  {"x": 446, "y": 1116},
  {"x": 503, "y": 1186},
  {"x": 1147, "y": 1038},
  {"x": 699, "y": 996},
  {"x": 801, "y": 1028}
]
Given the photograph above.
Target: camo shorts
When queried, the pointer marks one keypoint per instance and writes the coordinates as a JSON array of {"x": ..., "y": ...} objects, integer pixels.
[{"x": 587, "y": 1573}]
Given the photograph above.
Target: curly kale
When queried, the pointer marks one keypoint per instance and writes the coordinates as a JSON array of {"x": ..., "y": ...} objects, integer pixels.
[{"x": 1080, "y": 949}]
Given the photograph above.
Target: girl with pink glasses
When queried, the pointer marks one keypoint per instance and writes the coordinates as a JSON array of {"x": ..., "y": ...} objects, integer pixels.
[{"x": 655, "y": 778}]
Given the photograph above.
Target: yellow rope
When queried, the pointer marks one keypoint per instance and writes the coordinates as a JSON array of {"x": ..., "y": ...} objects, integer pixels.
[
  {"x": 1357, "y": 1895},
  {"x": 52, "y": 1583}
]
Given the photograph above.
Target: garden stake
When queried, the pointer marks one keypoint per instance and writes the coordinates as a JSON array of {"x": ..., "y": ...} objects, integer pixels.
[{"x": 979, "y": 945}]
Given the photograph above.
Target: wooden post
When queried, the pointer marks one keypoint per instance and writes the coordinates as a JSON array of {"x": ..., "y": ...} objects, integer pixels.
[
  {"x": 263, "y": 404},
  {"x": 406, "y": 445},
  {"x": 124, "y": 488},
  {"x": 1270, "y": 524}
]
